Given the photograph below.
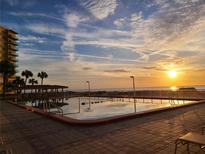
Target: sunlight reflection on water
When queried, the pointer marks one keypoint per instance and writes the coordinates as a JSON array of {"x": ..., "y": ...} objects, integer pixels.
[{"x": 104, "y": 107}]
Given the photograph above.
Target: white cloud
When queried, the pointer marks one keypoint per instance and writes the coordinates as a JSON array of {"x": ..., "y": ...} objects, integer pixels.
[
  {"x": 169, "y": 25},
  {"x": 30, "y": 14},
  {"x": 159, "y": 33},
  {"x": 100, "y": 8},
  {"x": 163, "y": 37},
  {"x": 24, "y": 3},
  {"x": 30, "y": 38},
  {"x": 120, "y": 22},
  {"x": 68, "y": 44},
  {"x": 73, "y": 19},
  {"x": 28, "y": 44},
  {"x": 136, "y": 20},
  {"x": 186, "y": 1},
  {"x": 48, "y": 29}
]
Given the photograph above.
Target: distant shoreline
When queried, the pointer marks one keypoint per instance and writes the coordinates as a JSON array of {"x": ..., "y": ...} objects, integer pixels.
[{"x": 198, "y": 87}]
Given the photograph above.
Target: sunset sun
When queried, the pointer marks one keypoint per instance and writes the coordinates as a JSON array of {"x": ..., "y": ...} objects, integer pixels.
[{"x": 172, "y": 74}]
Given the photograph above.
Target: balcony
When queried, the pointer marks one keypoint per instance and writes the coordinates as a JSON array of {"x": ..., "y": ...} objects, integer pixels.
[
  {"x": 12, "y": 42},
  {"x": 13, "y": 54},
  {"x": 12, "y": 60},
  {"x": 12, "y": 37},
  {"x": 12, "y": 48}
]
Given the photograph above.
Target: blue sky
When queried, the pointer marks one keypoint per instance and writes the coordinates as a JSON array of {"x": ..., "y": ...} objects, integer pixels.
[{"x": 106, "y": 41}]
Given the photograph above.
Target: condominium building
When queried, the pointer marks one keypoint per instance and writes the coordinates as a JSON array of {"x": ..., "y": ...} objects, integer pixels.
[{"x": 8, "y": 50}]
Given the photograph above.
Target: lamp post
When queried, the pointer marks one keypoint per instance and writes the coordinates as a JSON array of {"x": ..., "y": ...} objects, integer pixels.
[
  {"x": 88, "y": 82},
  {"x": 133, "y": 82}
]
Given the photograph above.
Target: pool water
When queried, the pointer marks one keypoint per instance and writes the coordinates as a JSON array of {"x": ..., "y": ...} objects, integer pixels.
[{"x": 78, "y": 108}]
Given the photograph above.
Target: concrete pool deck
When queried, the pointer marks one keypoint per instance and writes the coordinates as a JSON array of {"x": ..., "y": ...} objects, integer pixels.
[{"x": 24, "y": 132}]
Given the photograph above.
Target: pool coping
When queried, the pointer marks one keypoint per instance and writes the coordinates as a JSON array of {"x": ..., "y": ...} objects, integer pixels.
[{"x": 72, "y": 121}]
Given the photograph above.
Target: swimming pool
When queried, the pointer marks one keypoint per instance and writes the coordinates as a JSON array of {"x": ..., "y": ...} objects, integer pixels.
[{"x": 78, "y": 108}]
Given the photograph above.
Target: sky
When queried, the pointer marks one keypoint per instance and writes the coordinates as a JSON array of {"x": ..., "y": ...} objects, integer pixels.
[{"x": 107, "y": 41}]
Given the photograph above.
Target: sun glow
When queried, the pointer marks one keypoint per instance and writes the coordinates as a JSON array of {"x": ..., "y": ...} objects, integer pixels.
[
  {"x": 172, "y": 74},
  {"x": 174, "y": 88}
]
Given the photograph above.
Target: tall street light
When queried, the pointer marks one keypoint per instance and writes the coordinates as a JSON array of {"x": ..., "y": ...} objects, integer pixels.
[
  {"x": 133, "y": 81},
  {"x": 88, "y": 82}
]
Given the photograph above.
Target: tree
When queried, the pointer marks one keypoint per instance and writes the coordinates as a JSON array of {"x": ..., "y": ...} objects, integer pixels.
[
  {"x": 18, "y": 82},
  {"x": 27, "y": 74},
  {"x": 6, "y": 69},
  {"x": 42, "y": 75},
  {"x": 33, "y": 81}
]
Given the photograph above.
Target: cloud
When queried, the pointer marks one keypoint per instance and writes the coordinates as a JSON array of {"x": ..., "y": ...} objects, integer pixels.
[
  {"x": 100, "y": 37},
  {"x": 28, "y": 44},
  {"x": 149, "y": 67},
  {"x": 74, "y": 19},
  {"x": 159, "y": 33},
  {"x": 178, "y": 16},
  {"x": 136, "y": 19},
  {"x": 87, "y": 68},
  {"x": 117, "y": 71},
  {"x": 68, "y": 44},
  {"x": 30, "y": 14},
  {"x": 120, "y": 22},
  {"x": 172, "y": 33},
  {"x": 31, "y": 38},
  {"x": 75, "y": 57},
  {"x": 24, "y": 3},
  {"x": 154, "y": 68},
  {"x": 48, "y": 29},
  {"x": 100, "y": 8},
  {"x": 58, "y": 70},
  {"x": 165, "y": 28}
]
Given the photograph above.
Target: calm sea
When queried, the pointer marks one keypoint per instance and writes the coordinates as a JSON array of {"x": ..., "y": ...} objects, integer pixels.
[{"x": 198, "y": 87}]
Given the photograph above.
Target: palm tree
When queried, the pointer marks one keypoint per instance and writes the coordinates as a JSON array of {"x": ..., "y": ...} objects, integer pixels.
[
  {"x": 42, "y": 75},
  {"x": 27, "y": 74},
  {"x": 6, "y": 69},
  {"x": 18, "y": 82},
  {"x": 33, "y": 81}
]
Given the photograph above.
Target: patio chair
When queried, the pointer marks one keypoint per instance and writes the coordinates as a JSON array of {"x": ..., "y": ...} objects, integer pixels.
[{"x": 191, "y": 138}]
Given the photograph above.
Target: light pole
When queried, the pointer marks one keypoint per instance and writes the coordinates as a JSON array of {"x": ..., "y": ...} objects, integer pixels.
[
  {"x": 133, "y": 81},
  {"x": 88, "y": 82}
]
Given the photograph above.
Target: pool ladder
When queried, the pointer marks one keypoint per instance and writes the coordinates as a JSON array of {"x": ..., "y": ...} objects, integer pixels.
[{"x": 59, "y": 110}]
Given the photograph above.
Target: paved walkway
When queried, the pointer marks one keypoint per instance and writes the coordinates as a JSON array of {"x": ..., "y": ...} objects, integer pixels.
[{"x": 24, "y": 132}]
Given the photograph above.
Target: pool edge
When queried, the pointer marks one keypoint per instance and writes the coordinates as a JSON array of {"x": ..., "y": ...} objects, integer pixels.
[{"x": 107, "y": 120}]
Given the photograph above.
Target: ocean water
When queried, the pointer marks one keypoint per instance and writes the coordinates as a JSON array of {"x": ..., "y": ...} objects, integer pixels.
[{"x": 198, "y": 87}]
